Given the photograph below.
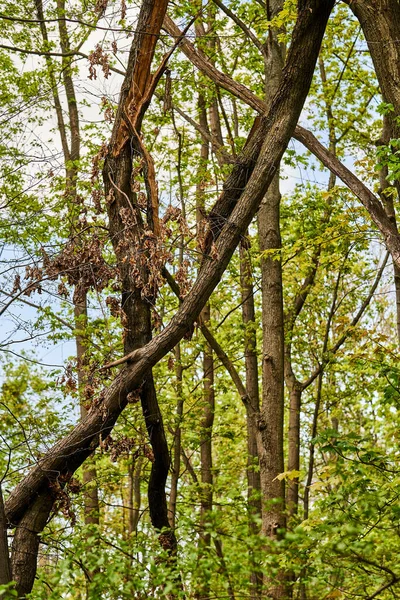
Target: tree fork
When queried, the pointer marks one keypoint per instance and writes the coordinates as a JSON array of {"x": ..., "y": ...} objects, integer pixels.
[{"x": 71, "y": 451}]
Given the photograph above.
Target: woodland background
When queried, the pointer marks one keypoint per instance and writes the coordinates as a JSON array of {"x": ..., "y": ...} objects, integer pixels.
[{"x": 200, "y": 299}]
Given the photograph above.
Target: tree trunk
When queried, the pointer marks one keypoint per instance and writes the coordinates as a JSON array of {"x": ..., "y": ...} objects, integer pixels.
[
  {"x": 134, "y": 495},
  {"x": 177, "y": 438},
  {"x": 380, "y": 22},
  {"x": 272, "y": 409},
  {"x": 128, "y": 235},
  {"x": 271, "y": 422},
  {"x": 388, "y": 203},
  {"x": 25, "y": 545},
  {"x": 71, "y": 155},
  {"x": 207, "y": 420},
  {"x": 294, "y": 447},
  {"x": 252, "y": 405}
]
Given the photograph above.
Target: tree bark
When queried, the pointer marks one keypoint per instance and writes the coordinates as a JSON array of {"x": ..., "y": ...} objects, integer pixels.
[
  {"x": 272, "y": 408},
  {"x": 252, "y": 404},
  {"x": 26, "y": 540},
  {"x": 207, "y": 418},
  {"x": 177, "y": 438},
  {"x": 380, "y": 22},
  {"x": 271, "y": 420}
]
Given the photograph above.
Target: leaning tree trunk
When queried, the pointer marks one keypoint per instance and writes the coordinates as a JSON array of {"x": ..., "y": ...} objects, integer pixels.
[
  {"x": 381, "y": 21},
  {"x": 26, "y": 541}
]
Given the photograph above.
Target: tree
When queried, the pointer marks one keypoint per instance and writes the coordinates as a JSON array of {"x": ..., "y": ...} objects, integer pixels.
[{"x": 121, "y": 244}]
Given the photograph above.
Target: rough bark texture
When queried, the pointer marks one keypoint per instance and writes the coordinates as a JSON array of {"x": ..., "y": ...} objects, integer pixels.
[
  {"x": 272, "y": 409},
  {"x": 271, "y": 419},
  {"x": 251, "y": 365},
  {"x": 380, "y": 22},
  {"x": 25, "y": 545},
  {"x": 70, "y": 452}
]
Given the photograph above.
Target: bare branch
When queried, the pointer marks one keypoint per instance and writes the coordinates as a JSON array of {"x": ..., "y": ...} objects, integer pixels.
[
  {"x": 367, "y": 198},
  {"x": 242, "y": 26},
  {"x": 205, "y": 66}
]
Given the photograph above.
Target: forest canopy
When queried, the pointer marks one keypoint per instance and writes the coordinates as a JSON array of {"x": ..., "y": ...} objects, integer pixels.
[{"x": 199, "y": 299}]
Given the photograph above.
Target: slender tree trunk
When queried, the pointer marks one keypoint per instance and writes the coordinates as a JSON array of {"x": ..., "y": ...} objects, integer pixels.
[
  {"x": 206, "y": 430},
  {"x": 207, "y": 420},
  {"x": 177, "y": 438},
  {"x": 178, "y": 356},
  {"x": 71, "y": 153},
  {"x": 294, "y": 447},
  {"x": 127, "y": 231},
  {"x": 272, "y": 410},
  {"x": 271, "y": 422},
  {"x": 310, "y": 470},
  {"x": 26, "y": 540},
  {"x": 134, "y": 495},
  {"x": 138, "y": 330},
  {"x": 252, "y": 405}
]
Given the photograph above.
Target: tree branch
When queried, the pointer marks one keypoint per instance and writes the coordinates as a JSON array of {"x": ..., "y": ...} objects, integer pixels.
[
  {"x": 205, "y": 66},
  {"x": 367, "y": 198},
  {"x": 242, "y": 26}
]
